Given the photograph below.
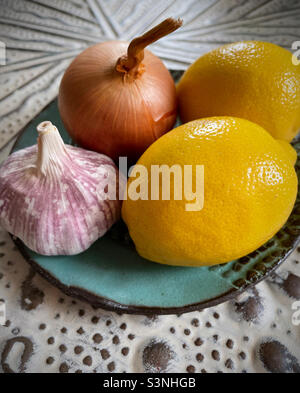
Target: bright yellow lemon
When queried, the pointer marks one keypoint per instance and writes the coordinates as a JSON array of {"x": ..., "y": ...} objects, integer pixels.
[
  {"x": 252, "y": 80},
  {"x": 250, "y": 187}
]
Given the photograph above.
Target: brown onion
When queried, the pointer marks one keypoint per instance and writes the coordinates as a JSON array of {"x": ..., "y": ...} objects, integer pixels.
[{"x": 119, "y": 104}]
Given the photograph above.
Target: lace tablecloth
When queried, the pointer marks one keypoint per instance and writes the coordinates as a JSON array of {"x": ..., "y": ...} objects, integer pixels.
[{"x": 45, "y": 331}]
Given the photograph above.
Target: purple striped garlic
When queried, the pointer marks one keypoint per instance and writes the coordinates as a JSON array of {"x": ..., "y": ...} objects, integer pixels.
[{"x": 54, "y": 196}]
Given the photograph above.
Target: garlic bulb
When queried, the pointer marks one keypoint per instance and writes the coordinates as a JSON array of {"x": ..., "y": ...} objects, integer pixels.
[{"x": 51, "y": 195}]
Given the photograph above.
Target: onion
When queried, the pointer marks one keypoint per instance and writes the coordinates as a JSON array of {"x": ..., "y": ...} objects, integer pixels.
[{"x": 119, "y": 104}]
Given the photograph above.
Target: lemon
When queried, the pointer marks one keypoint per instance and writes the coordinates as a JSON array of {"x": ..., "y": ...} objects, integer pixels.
[
  {"x": 250, "y": 187},
  {"x": 289, "y": 150},
  {"x": 253, "y": 80}
]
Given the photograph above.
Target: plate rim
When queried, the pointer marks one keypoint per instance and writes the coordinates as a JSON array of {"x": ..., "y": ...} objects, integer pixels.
[{"x": 98, "y": 301}]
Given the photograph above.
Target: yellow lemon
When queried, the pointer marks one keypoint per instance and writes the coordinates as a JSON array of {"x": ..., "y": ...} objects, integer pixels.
[
  {"x": 289, "y": 150},
  {"x": 250, "y": 187},
  {"x": 253, "y": 80}
]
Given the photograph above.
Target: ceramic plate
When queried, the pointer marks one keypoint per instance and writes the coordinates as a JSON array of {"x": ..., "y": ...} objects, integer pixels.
[{"x": 112, "y": 275}]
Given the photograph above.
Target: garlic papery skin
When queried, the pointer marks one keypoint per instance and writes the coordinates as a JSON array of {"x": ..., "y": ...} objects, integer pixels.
[{"x": 51, "y": 195}]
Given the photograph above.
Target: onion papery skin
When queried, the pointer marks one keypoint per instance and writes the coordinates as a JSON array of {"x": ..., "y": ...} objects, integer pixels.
[{"x": 115, "y": 113}]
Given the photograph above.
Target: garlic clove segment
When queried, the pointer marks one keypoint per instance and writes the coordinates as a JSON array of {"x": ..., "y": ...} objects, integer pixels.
[{"x": 54, "y": 196}]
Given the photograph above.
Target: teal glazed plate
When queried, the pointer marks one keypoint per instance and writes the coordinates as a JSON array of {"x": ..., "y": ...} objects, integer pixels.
[{"x": 111, "y": 274}]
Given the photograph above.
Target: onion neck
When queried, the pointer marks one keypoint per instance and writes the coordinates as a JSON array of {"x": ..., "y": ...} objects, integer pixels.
[
  {"x": 51, "y": 149},
  {"x": 131, "y": 64}
]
